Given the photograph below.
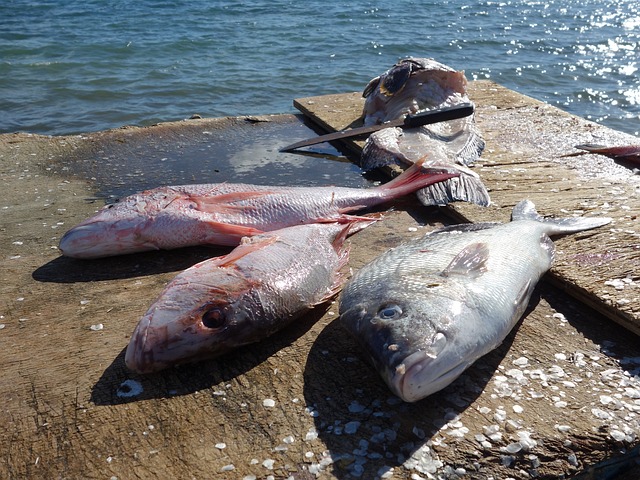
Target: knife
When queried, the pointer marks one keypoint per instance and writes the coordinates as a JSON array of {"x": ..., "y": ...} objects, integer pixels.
[{"x": 426, "y": 117}]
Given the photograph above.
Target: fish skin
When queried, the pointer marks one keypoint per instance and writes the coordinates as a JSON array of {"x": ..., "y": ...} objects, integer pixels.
[
  {"x": 426, "y": 310},
  {"x": 425, "y": 84},
  {"x": 219, "y": 304},
  {"x": 222, "y": 214}
]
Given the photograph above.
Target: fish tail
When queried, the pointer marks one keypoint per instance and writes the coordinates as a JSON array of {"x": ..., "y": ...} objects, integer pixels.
[
  {"x": 466, "y": 188},
  {"x": 471, "y": 150},
  {"x": 353, "y": 226},
  {"x": 623, "y": 152},
  {"x": 526, "y": 210},
  {"x": 342, "y": 251},
  {"x": 415, "y": 177}
]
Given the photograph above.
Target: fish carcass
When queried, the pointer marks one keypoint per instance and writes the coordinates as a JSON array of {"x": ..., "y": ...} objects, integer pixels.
[
  {"x": 410, "y": 86},
  {"x": 221, "y": 214},
  {"x": 428, "y": 309},
  {"x": 260, "y": 287}
]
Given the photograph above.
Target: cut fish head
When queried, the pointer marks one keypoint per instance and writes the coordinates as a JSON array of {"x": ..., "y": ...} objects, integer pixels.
[
  {"x": 416, "y": 345},
  {"x": 412, "y": 85},
  {"x": 193, "y": 320}
]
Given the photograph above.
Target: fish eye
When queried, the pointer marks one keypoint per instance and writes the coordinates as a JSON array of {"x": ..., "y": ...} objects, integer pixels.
[
  {"x": 390, "y": 312},
  {"x": 214, "y": 317}
]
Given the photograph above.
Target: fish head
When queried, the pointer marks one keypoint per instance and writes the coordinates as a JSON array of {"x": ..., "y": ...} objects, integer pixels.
[
  {"x": 412, "y": 85},
  {"x": 192, "y": 319},
  {"x": 415, "y": 343},
  {"x": 116, "y": 229}
]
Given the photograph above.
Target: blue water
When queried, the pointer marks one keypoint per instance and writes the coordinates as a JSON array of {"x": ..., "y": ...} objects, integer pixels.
[{"x": 87, "y": 65}]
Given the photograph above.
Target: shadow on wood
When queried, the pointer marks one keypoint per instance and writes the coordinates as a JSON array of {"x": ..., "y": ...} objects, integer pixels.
[
  {"x": 70, "y": 270},
  {"x": 364, "y": 426},
  {"x": 118, "y": 385}
]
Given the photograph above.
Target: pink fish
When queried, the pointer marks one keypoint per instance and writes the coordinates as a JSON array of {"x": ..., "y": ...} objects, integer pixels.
[
  {"x": 221, "y": 214},
  {"x": 221, "y": 303},
  {"x": 628, "y": 153}
]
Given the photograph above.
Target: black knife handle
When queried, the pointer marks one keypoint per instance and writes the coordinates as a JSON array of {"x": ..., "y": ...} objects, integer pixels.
[{"x": 428, "y": 117}]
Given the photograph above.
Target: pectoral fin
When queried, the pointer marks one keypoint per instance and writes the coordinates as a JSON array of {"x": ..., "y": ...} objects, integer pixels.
[
  {"x": 229, "y": 229},
  {"x": 245, "y": 248},
  {"x": 471, "y": 261}
]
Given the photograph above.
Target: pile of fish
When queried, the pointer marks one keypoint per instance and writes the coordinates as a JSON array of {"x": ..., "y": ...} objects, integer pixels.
[
  {"x": 423, "y": 312},
  {"x": 288, "y": 254},
  {"x": 419, "y": 84}
]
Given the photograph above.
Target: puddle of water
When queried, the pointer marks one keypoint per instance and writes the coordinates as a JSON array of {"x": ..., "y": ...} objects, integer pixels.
[{"x": 240, "y": 152}]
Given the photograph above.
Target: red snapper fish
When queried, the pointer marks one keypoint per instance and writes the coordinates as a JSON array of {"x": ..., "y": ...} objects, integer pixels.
[
  {"x": 222, "y": 214},
  {"x": 260, "y": 287}
]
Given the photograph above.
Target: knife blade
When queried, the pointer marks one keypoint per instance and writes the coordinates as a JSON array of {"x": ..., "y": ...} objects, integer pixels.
[{"x": 426, "y": 117}]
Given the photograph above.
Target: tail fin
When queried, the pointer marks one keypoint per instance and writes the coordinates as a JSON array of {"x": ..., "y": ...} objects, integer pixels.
[
  {"x": 526, "y": 210},
  {"x": 342, "y": 251},
  {"x": 416, "y": 177},
  {"x": 354, "y": 226},
  {"x": 472, "y": 149},
  {"x": 467, "y": 188}
]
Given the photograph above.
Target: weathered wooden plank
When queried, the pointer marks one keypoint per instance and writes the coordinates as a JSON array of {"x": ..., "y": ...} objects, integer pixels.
[
  {"x": 70, "y": 409},
  {"x": 524, "y": 158}
]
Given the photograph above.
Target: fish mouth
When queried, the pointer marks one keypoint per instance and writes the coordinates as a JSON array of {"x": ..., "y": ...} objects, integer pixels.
[
  {"x": 413, "y": 379},
  {"x": 80, "y": 241},
  {"x": 161, "y": 340},
  {"x": 150, "y": 348},
  {"x": 97, "y": 239},
  {"x": 138, "y": 356},
  {"x": 411, "y": 374}
]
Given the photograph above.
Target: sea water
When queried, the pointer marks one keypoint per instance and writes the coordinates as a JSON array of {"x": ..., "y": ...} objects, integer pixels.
[{"x": 88, "y": 65}]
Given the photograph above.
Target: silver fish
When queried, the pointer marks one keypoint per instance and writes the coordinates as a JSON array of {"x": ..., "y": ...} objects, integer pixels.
[
  {"x": 410, "y": 86},
  {"x": 428, "y": 309},
  {"x": 221, "y": 214},
  {"x": 260, "y": 287}
]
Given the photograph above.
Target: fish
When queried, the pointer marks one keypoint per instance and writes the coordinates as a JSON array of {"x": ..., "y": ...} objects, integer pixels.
[
  {"x": 426, "y": 310},
  {"x": 219, "y": 304},
  {"x": 414, "y": 85},
  {"x": 222, "y": 214},
  {"x": 627, "y": 153}
]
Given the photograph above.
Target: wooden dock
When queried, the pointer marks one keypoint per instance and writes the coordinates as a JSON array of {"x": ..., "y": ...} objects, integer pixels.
[{"x": 557, "y": 399}]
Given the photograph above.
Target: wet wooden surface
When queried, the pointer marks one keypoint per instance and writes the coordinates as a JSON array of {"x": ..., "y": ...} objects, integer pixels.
[{"x": 304, "y": 404}]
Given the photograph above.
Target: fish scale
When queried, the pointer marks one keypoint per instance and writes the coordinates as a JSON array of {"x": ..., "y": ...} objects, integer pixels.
[{"x": 426, "y": 310}]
